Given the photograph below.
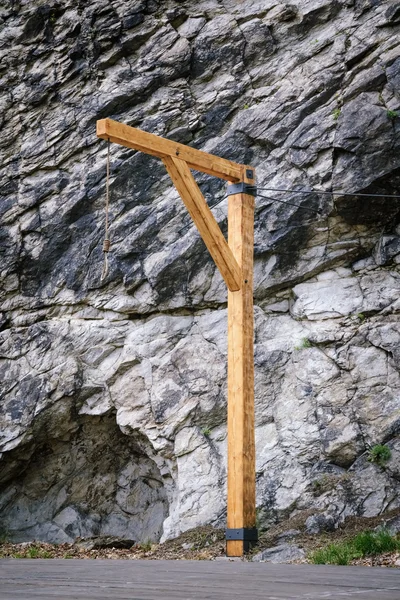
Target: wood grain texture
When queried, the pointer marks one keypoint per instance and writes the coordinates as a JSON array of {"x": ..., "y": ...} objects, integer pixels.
[
  {"x": 241, "y": 444},
  {"x": 234, "y": 260},
  {"x": 204, "y": 220},
  {"x": 155, "y": 145}
]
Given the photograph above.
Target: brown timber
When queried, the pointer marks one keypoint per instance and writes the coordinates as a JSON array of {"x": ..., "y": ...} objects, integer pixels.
[
  {"x": 234, "y": 260},
  {"x": 241, "y": 444},
  {"x": 204, "y": 220},
  {"x": 161, "y": 147}
]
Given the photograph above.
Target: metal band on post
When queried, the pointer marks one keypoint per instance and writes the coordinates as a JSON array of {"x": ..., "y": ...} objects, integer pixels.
[
  {"x": 234, "y": 259},
  {"x": 249, "y": 536},
  {"x": 241, "y": 188}
]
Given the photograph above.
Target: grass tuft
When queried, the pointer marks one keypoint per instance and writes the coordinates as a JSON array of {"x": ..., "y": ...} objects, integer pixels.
[
  {"x": 334, "y": 554},
  {"x": 372, "y": 543},
  {"x": 367, "y": 543},
  {"x": 304, "y": 343},
  {"x": 32, "y": 552},
  {"x": 379, "y": 454}
]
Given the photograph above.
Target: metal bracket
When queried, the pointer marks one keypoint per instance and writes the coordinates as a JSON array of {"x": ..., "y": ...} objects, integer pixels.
[
  {"x": 245, "y": 534},
  {"x": 241, "y": 188}
]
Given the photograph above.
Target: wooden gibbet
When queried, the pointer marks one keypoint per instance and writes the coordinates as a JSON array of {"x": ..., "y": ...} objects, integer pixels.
[{"x": 234, "y": 260}]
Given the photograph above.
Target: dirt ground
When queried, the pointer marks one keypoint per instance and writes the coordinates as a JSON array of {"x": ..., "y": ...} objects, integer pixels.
[{"x": 208, "y": 543}]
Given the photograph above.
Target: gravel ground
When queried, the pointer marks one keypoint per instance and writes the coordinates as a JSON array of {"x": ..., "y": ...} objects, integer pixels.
[{"x": 207, "y": 543}]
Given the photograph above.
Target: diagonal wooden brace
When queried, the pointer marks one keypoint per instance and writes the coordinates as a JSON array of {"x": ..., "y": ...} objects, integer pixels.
[
  {"x": 205, "y": 222},
  {"x": 234, "y": 260}
]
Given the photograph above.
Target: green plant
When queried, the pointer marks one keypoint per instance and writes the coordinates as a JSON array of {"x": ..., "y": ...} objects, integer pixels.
[
  {"x": 328, "y": 481},
  {"x": 305, "y": 343},
  {"x": 206, "y": 431},
  {"x": 361, "y": 316},
  {"x": 370, "y": 543},
  {"x": 32, "y": 552},
  {"x": 53, "y": 17},
  {"x": 317, "y": 487},
  {"x": 336, "y": 114},
  {"x": 379, "y": 454},
  {"x": 145, "y": 546},
  {"x": 334, "y": 554},
  {"x": 324, "y": 483},
  {"x": 392, "y": 114},
  {"x": 367, "y": 543}
]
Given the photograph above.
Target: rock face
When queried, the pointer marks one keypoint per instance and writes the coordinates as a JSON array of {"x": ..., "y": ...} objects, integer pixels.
[
  {"x": 285, "y": 553},
  {"x": 113, "y": 411},
  {"x": 90, "y": 479}
]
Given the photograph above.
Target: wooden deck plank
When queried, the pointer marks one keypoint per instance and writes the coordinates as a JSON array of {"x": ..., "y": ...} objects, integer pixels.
[{"x": 197, "y": 580}]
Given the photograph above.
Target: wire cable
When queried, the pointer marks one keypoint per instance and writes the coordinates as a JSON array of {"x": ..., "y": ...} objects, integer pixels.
[
  {"x": 313, "y": 210},
  {"x": 191, "y": 224},
  {"x": 329, "y": 193}
]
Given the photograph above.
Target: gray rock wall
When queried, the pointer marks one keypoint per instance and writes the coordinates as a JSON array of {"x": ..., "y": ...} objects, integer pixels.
[{"x": 113, "y": 412}]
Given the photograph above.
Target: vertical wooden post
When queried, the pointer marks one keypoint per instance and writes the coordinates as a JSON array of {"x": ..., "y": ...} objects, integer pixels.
[
  {"x": 241, "y": 518},
  {"x": 235, "y": 262}
]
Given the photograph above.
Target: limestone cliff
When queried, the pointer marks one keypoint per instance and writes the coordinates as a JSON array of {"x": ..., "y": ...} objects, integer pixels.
[{"x": 113, "y": 411}]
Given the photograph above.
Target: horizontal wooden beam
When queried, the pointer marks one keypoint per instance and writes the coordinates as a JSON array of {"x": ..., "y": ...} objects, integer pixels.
[
  {"x": 157, "y": 146},
  {"x": 205, "y": 222}
]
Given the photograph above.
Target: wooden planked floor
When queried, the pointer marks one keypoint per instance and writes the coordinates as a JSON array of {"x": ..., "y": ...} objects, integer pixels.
[{"x": 186, "y": 580}]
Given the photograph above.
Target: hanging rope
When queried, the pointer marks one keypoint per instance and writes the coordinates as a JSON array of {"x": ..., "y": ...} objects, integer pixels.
[{"x": 106, "y": 243}]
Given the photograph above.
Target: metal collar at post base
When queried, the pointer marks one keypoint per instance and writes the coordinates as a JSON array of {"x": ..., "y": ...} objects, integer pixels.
[
  {"x": 249, "y": 536},
  {"x": 241, "y": 188}
]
